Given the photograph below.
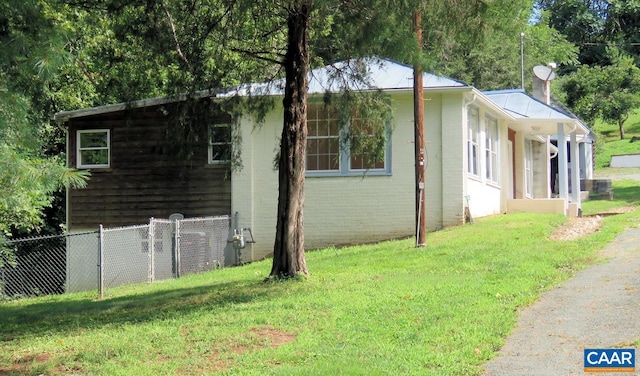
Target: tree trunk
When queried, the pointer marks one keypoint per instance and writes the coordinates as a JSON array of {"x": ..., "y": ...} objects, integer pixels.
[
  {"x": 620, "y": 125},
  {"x": 288, "y": 250}
]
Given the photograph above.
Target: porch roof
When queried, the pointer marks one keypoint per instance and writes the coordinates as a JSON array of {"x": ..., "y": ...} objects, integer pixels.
[{"x": 535, "y": 116}]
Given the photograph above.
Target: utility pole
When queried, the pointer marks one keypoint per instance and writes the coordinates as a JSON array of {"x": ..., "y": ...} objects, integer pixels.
[
  {"x": 522, "y": 59},
  {"x": 418, "y": 116}
]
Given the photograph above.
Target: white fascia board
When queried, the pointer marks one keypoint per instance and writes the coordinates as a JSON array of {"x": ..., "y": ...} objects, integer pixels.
[
  {"x": 550, "y": 126},
  {"x": 488, "y": 103}
]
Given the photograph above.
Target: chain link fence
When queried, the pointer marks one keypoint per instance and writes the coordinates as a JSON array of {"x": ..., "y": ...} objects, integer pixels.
[{"x": 98, "y": 260}]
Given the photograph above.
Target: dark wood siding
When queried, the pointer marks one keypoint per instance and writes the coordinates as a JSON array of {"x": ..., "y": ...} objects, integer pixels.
[{"x": 158, "y": 167}]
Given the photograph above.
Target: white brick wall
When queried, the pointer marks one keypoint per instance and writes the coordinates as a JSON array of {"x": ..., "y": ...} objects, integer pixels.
[
  {"x": 433, "y": 143},
  {"x": 351, "y": 210},
  {"x": 454, "y": 138},
  {"x": 254, "y": 188},
  {"x": 338, "y": 210}
]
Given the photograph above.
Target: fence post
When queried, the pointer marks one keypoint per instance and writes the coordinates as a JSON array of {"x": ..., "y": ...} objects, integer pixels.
[
  {"x": 101, "y": 262},
  {"x": 177, "y": 247},
  {"x": 151, "y": 236}
]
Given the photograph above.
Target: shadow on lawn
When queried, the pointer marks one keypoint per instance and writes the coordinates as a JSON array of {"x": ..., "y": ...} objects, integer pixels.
[
  {"x": 58, "y": 317},
  {"x": 628, "y": 194}
]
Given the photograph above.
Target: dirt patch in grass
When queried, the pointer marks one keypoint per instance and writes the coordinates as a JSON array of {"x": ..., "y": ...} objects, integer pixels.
[
  {"x": 223, "y": 355},
  {"x": 24, "y": 364},
  {"x": 576, "y": 228},
  {"x": 273, "y": 337}
]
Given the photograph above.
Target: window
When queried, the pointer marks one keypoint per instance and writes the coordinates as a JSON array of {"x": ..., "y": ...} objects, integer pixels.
[
  {"x": 366, "y": 157},
  {"x": 323, "y": 139},
  {"x": 473, "y": 134},
  {"x": 491, "y": 149},
  {"x": 329, "y": 154},
  {"x": 219, "y": 143},
  {"x": 93, "y": 148}
]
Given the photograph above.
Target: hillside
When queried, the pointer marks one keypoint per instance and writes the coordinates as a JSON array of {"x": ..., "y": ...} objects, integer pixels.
[{"x": 609, "y": 142}]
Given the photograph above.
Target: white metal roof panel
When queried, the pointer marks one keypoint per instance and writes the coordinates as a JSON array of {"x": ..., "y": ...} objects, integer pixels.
[
  {"x": 523, "y": 105},
  {"x": 381, "y": 74}
]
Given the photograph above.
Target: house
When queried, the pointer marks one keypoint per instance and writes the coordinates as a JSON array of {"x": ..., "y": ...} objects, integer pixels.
[{"x": 487, "y": 153}]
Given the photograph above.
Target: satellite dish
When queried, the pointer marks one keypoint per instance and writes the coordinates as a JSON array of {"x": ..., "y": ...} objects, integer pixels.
[{"x": 544, "y": 73}]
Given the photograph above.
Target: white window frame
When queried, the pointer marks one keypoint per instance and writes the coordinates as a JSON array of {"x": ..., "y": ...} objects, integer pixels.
[
  {"x": 492, "y": 147},
  {"x": 313, "y": 122},
  {"x": 213, "y": 144},
  {"x": 473, "y": 141},
  {"x": 344, "y": 155},
  {"x": 80, "y": 148},
  {"x": 370, "y": 169}
]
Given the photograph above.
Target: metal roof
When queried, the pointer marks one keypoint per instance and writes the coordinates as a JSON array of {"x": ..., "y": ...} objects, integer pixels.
[
  {"x": 357, "y": 75},
  {"x": 522, "y": 105},
  {"x": 381, "y": 74},
  {"x": 536, "y": 115}
]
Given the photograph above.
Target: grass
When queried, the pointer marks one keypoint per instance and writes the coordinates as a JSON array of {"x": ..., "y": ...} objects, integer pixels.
[
  {"x": 626, "y": 193},
  {"x": 609, "y": 142},
  {"x": 382, "y": 309}
]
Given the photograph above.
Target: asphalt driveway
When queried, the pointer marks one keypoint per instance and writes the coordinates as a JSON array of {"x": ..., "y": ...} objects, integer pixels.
[{"x": 597, "y": 308}]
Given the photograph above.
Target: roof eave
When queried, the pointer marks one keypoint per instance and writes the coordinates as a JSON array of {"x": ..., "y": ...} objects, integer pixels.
[
  {"x": 550, "y": 126},
  {"x": 492, "y": 105},
  {"x": 64, "y": 116}
]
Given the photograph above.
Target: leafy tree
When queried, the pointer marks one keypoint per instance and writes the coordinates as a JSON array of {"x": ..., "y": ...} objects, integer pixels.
[
  {"x": 303, "y": 19},
  {"x": 583, "y": 22},
  {"x": 594, "y": 25},
  {"x": 609, "y": 93},
  {"x": 29, "y": 45},
  {"x": 480, "y": 42},
  {"x": 28, "y": 177}
]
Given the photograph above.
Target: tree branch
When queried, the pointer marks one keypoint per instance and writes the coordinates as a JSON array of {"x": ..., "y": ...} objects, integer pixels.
[
  {"x": 86, "y": 72},
  {"x": 259, "y": 55},
  {"x": 175, "y": 35}
]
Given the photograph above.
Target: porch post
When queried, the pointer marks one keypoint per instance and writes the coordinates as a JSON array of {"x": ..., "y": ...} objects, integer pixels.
[
  {"x": 575, "y": 169},
  {"x": 563, "y": 183},
  {"x": 547, "y": 150}
]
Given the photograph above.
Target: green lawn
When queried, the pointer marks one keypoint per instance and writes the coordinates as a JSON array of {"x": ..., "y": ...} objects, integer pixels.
[
  {"x": 383, "y": 309},
  {"x": 609, "y": 142}
]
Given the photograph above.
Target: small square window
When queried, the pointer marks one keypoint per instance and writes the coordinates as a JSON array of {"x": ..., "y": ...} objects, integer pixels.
[
  {"x": 93, "y": 148},
  {"x": 219, "y": 143}
]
